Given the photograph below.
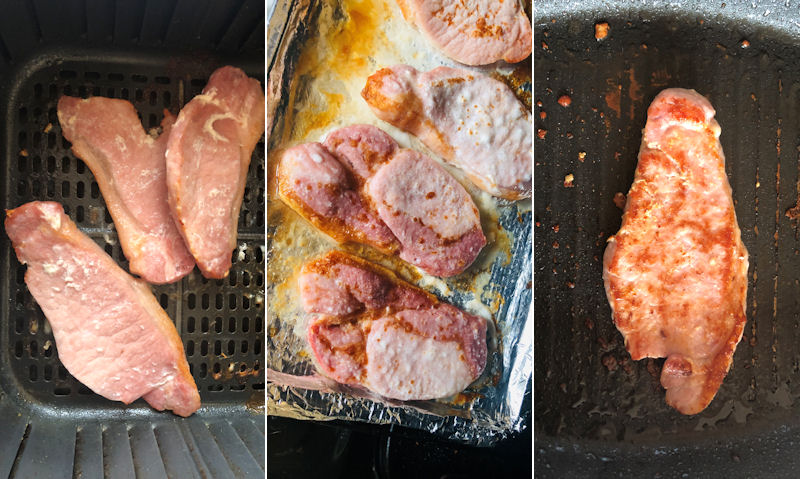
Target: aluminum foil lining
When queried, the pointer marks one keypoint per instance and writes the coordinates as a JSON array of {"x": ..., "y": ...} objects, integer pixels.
[{"x": 313, "y": 90}]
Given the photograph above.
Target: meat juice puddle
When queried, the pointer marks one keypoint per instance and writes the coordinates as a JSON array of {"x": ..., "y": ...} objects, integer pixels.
[{"x": 354, "y": 39}]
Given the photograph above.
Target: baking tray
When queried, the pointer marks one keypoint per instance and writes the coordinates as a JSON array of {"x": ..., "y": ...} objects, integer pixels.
[
  {"x": 150, "y": 54},
  {"x": 320, "y": 55},
  {"x": 597, "y": 413}
]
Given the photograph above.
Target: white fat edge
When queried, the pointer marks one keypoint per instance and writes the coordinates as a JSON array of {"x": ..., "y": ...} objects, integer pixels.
[
  {"x": 432, "y": 282},
  {"x": 476, "y": 307},
  {"x": 52, "y": 218},
  {"x": 208, "y": 126}
]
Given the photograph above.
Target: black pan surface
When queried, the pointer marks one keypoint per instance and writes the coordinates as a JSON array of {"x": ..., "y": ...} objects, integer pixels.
[{"x": 597, "y": 412}]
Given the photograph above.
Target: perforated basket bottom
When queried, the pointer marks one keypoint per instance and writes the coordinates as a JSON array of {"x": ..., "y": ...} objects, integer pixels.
[{"x": 221, "y": 322}]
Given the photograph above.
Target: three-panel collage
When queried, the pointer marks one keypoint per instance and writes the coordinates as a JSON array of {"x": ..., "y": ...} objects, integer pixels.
[{"x": 445, "y": 239}]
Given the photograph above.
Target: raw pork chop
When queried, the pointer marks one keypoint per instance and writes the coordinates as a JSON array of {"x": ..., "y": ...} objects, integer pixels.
[
  {"x": 361, "y": 186},
  {"x": 208, "y": 155},
  {"x": 676, "y": 272},
  {"x": 370, "y": 328},
  {"x": 474, "y": 32},
  {"x": 111, "y": 333},
  {"x": 473, "y": 121},
  {"x": 130, "y": 170}
]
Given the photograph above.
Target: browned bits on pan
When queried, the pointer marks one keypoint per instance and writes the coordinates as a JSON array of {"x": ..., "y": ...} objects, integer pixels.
[
  {"x": 541, "y": 133},
  {"x": 544, "y": 46},
  {"x": 589, "y": 323},
  {"x": 568, "y": 181},
  {"x": 23, "y": 152},
  {"x": 542, "y": 115},
  {"x": 600, "y": 30},
  {"x": 619, "y": 200},
  {"x": 556, "y": 245},
  {"x": 652, "y": 368},
  {"x": 564, "y": 100},
  {"x": 610, "y": 362},
  {"x": 745, "y": 43},
  {"x": 556, "y": 227},
  {"x": 794, "y": 212},
  {"x": 626, "y": 365},
  {"x": 581, "y": 156}
]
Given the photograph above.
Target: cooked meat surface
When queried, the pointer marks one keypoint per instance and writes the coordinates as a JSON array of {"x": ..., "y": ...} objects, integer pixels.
[
  {"x": 473, "y": 32},
  {"x": 208, "y": 155},
  {"x": 367, "y": 327},
  {"x": 111, "y": 333},
  {"x": 130, "y": 169},
  {"x": 676, "y": 272},
  {"x": 361, "y": 186},
  {"x": 471, "y": 120}
]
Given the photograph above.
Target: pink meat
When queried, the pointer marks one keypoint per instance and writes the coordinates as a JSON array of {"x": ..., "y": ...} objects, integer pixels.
[
  {"x": 208, "y": 156},
  {"x": 320, "y": 188},
  {"x": 372, "y": 329},
  {"x": 438, "y": 224},
  {"x": 361, "y": 186},
  {"x": 111, "y": 333},
  {"x": 676, "y": 271},
  {"x": 471, "y": 120},
  {"x": 130, "y": 169},
  {"x": 473, "y": 32}
]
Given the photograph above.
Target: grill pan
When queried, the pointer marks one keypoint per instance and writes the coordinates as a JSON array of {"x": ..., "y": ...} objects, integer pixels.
[
  {"x": 597, "y": 412},
  {"x": 156, "y": 55}
]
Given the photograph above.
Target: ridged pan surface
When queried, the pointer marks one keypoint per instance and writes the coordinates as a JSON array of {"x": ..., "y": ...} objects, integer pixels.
[{"x": 598, "y": 412}]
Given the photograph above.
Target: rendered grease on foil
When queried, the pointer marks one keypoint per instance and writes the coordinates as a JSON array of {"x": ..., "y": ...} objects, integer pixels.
[{"x": 349, "y": 41}]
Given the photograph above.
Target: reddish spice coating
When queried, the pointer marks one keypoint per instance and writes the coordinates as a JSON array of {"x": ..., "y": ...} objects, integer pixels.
[
  {"x": 676, "y": 272},
  {"x": 368, "y": 327}
]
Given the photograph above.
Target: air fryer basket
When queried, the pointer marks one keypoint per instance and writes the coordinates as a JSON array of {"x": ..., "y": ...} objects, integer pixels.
[
  {"x": 597, "y": 412},
  {"x": 156, "y": 54}
]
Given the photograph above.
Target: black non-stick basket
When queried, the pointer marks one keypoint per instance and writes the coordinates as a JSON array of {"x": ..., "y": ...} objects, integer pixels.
[{"x": 157, "y": 54}]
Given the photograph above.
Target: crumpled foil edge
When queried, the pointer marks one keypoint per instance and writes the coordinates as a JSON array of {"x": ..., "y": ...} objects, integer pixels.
[{"x": 501, "y": 409}]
